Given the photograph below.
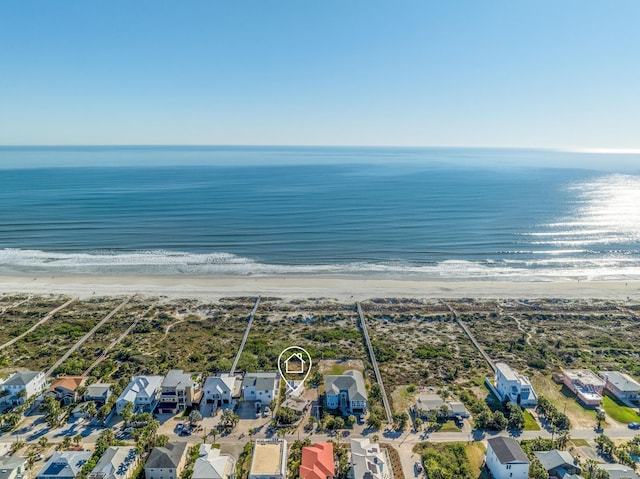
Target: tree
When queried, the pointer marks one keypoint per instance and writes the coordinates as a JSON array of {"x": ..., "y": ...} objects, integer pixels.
[
  {"x": 194, "y": 417},
  {"x": 43, "y": 442},
  {"x": 127, "y": 412},
  {"x": 90, "y": 409},
  {"x": 537, "y": 471},
  {"x": 66, "y": 442},
  {"x": 52, "y": 409},
  {"x": 516, "y": 416},
  {"x": 338, "y": 422},
  {"x": 499, "y": 421},
  {"x": 77, "y": 438},
  {"x": 374, "y": 422},
  {"x": 351, "y": 420},
  {"x": 600, "y": 417},
  {"x": 214, "y": 432},
  {"x": 400, "y": 420},
  {"x": 229, "y": 419},
  {"x": 563, "y": 439},
  {"x": 418, "y": 424}
]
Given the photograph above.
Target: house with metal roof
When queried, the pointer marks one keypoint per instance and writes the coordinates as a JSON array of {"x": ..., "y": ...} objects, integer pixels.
[
  {"x": 369, "y": 460},
  {"x": 166, "y": 462},
  {"x": 621, "y": 385},
  {"x": 619, "y": 471},
  {"x": 506, "y": 459},
  {"x": 221, "y": 389},
  {"x": 20, "y": 386},
  {"x": 346, "y": 392},
  {"x": 13, "y": 467},
  {"x": 558, "y": 463},
  {"x": 64, "y": 465},
  {"x": 210, "y": 464},
  {"x": 117, "y": 462},
  {"x": 261, "y": 387},
  {"x": 143, "y": 392}
]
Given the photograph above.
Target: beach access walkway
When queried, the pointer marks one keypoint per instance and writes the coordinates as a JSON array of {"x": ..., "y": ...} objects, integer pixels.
[
  {"x": 374, "y": 363},
  {"x": 16, "y": 304},
  {"x": 84, "y": 338},
  {"x": 246, "y": 335},
  {"x": 475, "y": 342},
  {"x": 39, "y": 323},
  {"x": 118, "y": 340}
]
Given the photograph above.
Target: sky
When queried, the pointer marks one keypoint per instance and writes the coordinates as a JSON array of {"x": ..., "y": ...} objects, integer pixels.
[{"x": 528, "y": 73}]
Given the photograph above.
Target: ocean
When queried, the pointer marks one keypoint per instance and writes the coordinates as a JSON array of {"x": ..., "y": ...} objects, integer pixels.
[{"x": 419, "y": 213}]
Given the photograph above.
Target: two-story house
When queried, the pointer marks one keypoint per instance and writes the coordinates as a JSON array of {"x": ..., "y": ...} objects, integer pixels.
[
  {"x": 220, "y": 390},
  {"x": 346, "y": 392},
  {"x": 261, "y": 387},
  {"x": 506, "y": 460},
  {"x": 166, "y": 462},
  {"x": 514, "y": 387},
  {"x": 143, "y": 392},
  {"x": 21, "y": 386}
]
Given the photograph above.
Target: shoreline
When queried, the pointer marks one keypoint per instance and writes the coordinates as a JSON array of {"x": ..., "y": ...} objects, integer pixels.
[{"x": 339, "y": 288}]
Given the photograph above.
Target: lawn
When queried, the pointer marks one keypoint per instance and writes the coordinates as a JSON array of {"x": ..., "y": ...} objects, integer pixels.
[
  {"x": 402, "y": 399},
  {"x": 448, "y": 454},
  {"x": 449, "y": 426},
  {"x": 530, "y": 424},
  {"x": 618, "y": 411},
  {"x": 565, "y": 401}
]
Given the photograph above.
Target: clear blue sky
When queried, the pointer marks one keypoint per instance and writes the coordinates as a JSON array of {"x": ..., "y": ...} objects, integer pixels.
[{"x": 538, "y": 73}]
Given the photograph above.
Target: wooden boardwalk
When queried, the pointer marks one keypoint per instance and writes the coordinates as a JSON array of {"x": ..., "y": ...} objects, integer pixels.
[
  {"x": 82, "y": 340},
  {"x": 33, "y": 328},
  {"x": 374, "y": 363},
  {"x": 118, "y": 340},
  {"x": 471, "y": 337},
  {"x": 246, "y": 335}
]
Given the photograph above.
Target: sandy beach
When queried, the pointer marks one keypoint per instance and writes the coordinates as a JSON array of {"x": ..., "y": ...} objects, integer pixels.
[{"x": 339, "y": 288}]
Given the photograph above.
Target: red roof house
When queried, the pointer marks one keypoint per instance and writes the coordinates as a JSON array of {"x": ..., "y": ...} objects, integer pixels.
[{"x": 317, "y": 461}]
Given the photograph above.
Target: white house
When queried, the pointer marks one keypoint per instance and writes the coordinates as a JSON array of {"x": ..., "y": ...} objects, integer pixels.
[
  {"x": 210, "y": 464},
  {"x": 260, "y": 387},
  {"x": 514, "y": 387},
  {"x": 13, "y": 467},
  {"x": 621, "y": 385},
  {"x": 220, "y": 390},
  {"x": 117, "y": 462},
  {"x": 143, "y": 392},
  {"x": 369, "y": 460},
  {"x": 64, "y": 465},
  {"x": 505, "y": 459},
  {"x": 346, "y": 392},
  {"x": 31, "y": 382}
]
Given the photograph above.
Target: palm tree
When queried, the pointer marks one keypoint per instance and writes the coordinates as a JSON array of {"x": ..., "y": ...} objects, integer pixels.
[
  {"x": 43, "y": 442},
  {"x": 251, "y": 431},
  {"x": 600, "y": 417},
  {"x": 563, "y": 439},
  {"x": 214, "y": 432},
  {"x": 77, "y": 438}
]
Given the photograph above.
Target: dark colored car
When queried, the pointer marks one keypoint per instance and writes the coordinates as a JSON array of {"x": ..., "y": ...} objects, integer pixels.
[{"x": 634, "y": 425}]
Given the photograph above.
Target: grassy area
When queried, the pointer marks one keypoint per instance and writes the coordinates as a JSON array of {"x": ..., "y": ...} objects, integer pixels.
[
  {"x": 448, "y": 426},
  {"x": 402, "y": 399},
  {"x": 564, "y": 400},
  {"x": 464, "y": 459},
  {"x": 579, "y": 442},
  {"x": 475, "y": 452},
  {"x": 618, "y": 411},
  {"x": 530, "y": 424}
]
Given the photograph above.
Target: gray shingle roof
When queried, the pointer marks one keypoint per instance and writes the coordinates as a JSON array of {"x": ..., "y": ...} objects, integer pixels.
[
  {"x": 21, "y": 379},
  {"x": 554, "y": 459},
  {"x": 166, "y": 457},
  {"x": 65, "y": 464},
  {"x": 351, "y": 381},
  {"x": 507, "y": 450}
]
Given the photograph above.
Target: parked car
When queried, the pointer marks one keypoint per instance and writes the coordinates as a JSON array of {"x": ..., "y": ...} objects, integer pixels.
[
  {"x": 634, "y": 425},
  {"x": 418, "y": 466}
]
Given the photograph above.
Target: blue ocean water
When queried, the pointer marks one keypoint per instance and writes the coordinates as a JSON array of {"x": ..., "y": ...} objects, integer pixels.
[{"x": 409, "y": 213}]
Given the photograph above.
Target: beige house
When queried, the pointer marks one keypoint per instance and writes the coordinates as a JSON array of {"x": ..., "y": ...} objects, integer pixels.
[{"x": 269, "y": 459}]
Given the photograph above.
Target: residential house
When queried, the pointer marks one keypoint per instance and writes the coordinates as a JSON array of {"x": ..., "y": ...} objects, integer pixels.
[
  {"x": 221, "y": 390},
  {"x": 369, "y": 460},
  {"x": 558, "y": 464},
  {"x": 65, "y": 388},
  {"x": 346, "y": 392},
  {"x": 261, "y": 387},
  {"x": 426, "y": 403},
  {"x": 14, "y": 467},
  {"x": 317, "y": 461},
  {"x": 621, "y": 385},
  {"x": 586, "y": 384},
  {"x": 178, "y": 392},
  {"x": 619, "y": 471},
  {"x": 21, "y": 386},
  {"x": 166, "y": 462},
  {"x": 98, "y": 393},
  {"x": 64, "y": 465},
  {"x": 514, "y": 387},
  {"x": 298, "y": 404},
  {"x": 505, "y": 459},
  {"x": 210, "y": 464},
  {"x": 117, "y": 462},
  {"x": 143, "y": 392},
  {"x": 269, "y": 459}
]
